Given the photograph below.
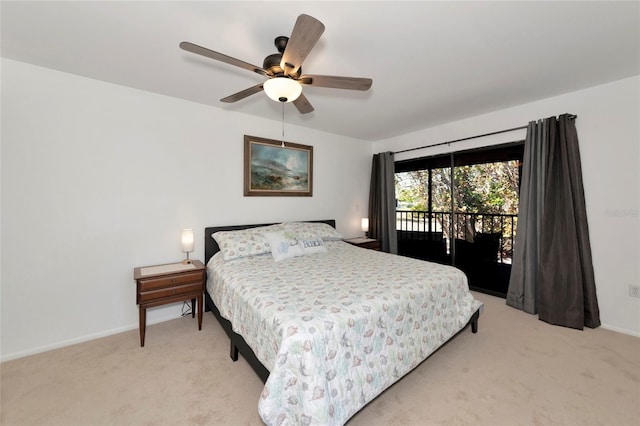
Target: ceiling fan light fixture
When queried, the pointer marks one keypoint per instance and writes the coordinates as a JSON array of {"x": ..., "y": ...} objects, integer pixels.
[{"x": 282, "y": 89}]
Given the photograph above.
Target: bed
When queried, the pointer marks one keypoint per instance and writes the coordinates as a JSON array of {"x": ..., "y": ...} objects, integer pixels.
[{"x": 330, "y": 329}]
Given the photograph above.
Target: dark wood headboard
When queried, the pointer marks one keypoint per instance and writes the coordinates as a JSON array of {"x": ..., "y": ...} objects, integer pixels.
[{"x": 211, "y": 246}]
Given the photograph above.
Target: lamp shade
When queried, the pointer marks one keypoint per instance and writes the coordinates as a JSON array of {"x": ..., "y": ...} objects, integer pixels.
[
  {"x": 187, "y": 240},
  {"x": 365, "y": 224},
  {"x": 282, "y": 89}
]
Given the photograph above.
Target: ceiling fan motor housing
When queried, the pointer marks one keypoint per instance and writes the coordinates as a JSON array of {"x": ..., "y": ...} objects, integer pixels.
[{"x": 272, "y": 62}]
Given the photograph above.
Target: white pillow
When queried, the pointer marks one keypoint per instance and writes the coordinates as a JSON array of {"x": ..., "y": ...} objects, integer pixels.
[
  {"x": 313, "y": 230},
  {"x": 244, "y": 242},
  {"x": 284, "y": 245},
  {"x": 315, "y": 245}
]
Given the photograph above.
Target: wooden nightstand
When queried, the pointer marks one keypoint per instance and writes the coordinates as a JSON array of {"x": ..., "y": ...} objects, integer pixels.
[
  {"x": 163, "y": 284},
  {"x": 368, "y": 243}
]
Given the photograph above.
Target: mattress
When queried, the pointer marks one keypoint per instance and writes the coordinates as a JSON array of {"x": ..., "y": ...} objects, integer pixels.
[{"x": 336, "y": 329}]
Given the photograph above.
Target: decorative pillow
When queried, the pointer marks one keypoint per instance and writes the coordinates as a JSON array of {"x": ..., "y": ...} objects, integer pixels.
[
  {"x": 315, "y": 245},
  {"x": 284, "y": 245},
  {"x": 244, "y": 242},
  {"x": 313, "y": 230}
]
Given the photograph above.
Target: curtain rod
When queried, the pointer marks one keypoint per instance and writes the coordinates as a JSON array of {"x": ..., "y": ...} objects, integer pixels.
[{"x": 571, "y": 117}]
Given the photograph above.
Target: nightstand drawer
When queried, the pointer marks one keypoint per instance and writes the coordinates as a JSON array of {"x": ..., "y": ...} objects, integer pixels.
[
  {"x": 171, "y": 281},
  {"x": 168, "y": 292}
]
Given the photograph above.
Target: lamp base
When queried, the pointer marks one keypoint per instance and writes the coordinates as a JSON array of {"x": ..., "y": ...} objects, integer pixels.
[{"x": 186, "y": 262}]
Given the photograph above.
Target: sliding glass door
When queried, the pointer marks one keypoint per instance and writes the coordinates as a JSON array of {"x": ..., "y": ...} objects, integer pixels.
[
  {"x": 424, "y": 214},
  {"x": 461, "y": 209}
]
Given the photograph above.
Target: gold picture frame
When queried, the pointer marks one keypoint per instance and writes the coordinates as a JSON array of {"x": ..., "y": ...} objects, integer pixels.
[{"x": 277, "y": 168}]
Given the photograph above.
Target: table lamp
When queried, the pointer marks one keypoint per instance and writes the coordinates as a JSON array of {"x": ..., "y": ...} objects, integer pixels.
[
  {"x": 365, "y": 226},
  {"x": 187, "y": 243}
]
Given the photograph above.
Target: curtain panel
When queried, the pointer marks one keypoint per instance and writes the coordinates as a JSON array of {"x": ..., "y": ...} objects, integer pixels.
[
  {"x": 382, "y": 202},
  {"x": 522, "y": 292},
  {"x": 552, "y": 271}
]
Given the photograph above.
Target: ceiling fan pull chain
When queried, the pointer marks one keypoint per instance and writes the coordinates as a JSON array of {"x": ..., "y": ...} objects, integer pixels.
[{"x": 282, "y": 124}]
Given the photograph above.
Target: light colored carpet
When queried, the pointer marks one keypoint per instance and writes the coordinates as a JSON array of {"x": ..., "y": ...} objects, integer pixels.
[{"x": 515, "y": 371}]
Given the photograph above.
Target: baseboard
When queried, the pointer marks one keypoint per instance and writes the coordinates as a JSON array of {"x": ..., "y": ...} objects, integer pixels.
[
  {"x": 621, "y": 330},
  {"x": 82, "y": 339}
]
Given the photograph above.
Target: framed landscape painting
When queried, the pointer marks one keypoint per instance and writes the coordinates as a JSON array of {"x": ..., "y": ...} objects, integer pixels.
[{"x": 277, "y": 168}]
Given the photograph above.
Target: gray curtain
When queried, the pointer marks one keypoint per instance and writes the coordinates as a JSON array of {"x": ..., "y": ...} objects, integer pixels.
[
  {"x": 382, "y": 202},
  {"x": 522, "y": 292},
  {"x": 552, "y": 270}
]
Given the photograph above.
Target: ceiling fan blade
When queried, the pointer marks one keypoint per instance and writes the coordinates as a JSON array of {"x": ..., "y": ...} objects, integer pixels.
[
  {"x": 336, "y": 82},
  {"x": 303, "y": 105},
  {"x": 242, "y": 94},
  {"x": 199, "y": 50},
  {"x": 306, "y": 33}
]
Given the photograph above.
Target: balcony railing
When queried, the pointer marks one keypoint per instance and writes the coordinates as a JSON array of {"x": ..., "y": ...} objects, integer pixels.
[{"x": 487, "y": 229}]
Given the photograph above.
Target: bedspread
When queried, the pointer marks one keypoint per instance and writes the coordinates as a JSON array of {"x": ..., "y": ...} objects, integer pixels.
[{"x": 335, "y": 329}]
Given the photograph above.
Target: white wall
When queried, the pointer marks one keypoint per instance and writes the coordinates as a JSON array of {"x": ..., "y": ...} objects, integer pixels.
[
  {"x": 608, "y": 126},
  {"x": 99, "y": 178}
]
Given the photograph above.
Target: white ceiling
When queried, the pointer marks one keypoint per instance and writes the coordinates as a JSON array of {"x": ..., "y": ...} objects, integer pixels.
[{"x": 431, "y": 62}]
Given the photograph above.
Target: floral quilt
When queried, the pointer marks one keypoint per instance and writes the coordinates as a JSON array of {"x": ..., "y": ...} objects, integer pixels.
[{"x": 336, "y": 329}]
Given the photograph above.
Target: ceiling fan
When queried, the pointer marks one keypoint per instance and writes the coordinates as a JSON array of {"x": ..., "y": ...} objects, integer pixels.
[{"x": 284, "y": 69}]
